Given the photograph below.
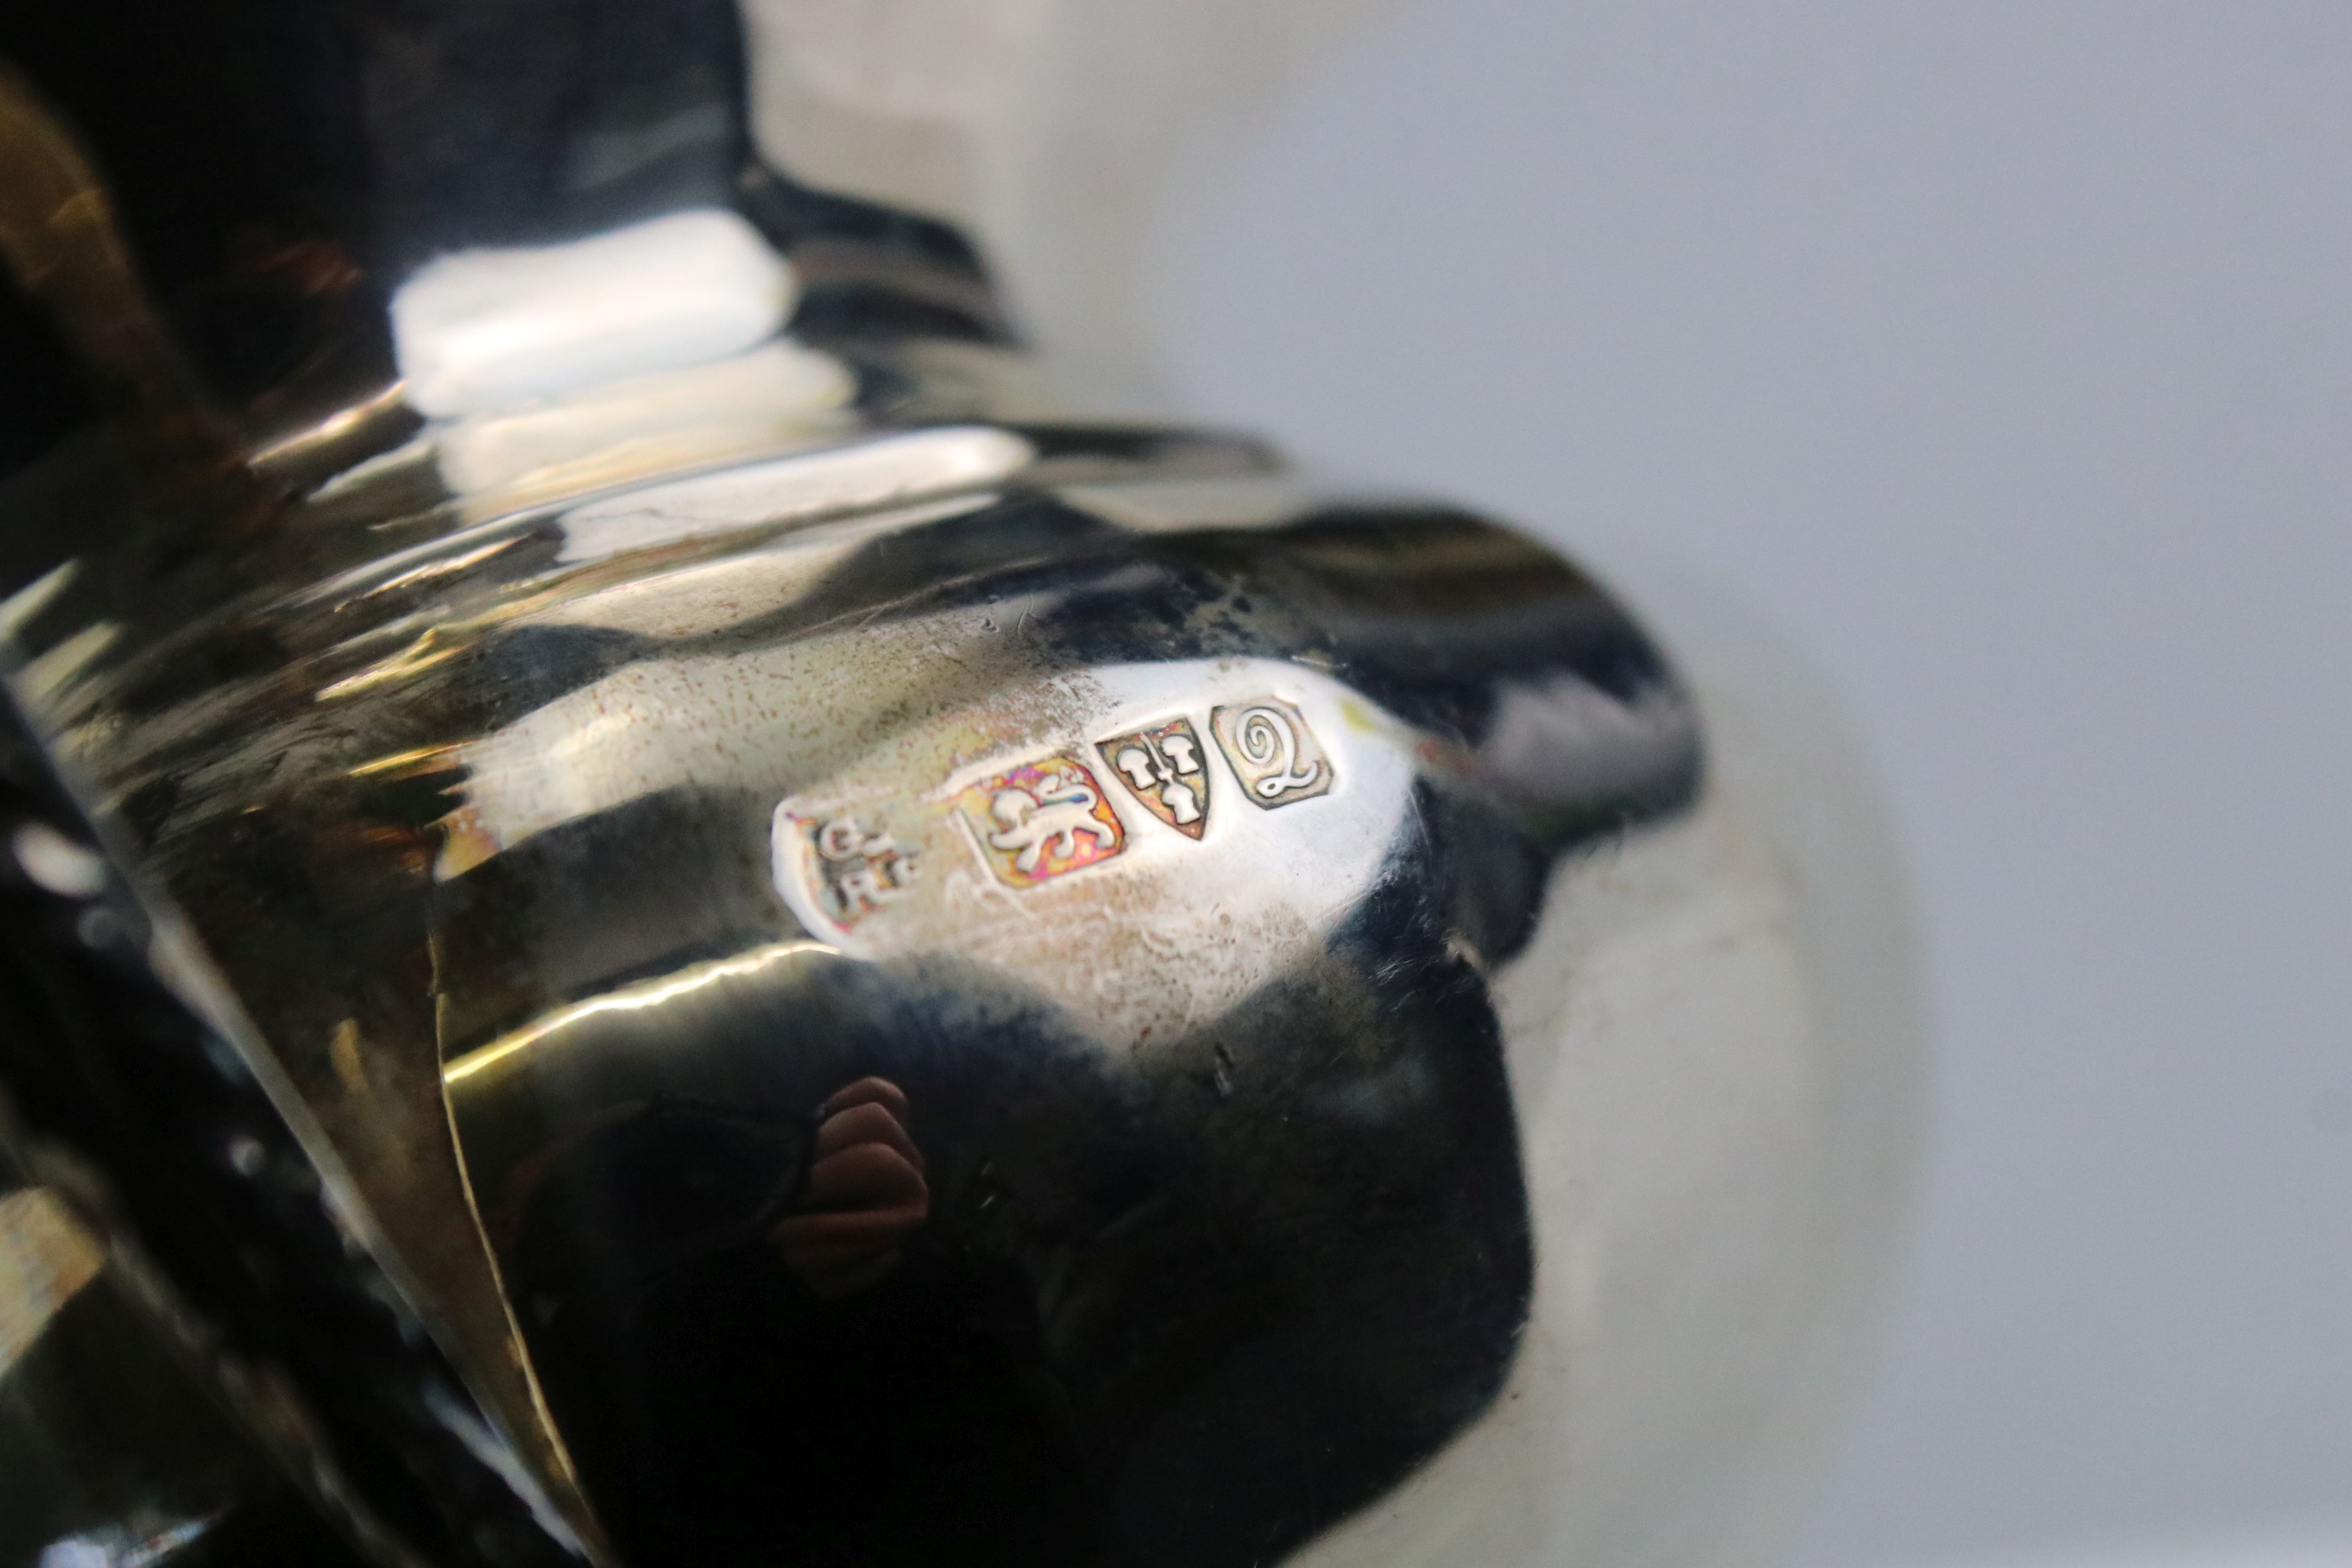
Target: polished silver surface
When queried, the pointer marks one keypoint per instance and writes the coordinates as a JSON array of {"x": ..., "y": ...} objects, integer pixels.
[{"x": 890, "y": 972}]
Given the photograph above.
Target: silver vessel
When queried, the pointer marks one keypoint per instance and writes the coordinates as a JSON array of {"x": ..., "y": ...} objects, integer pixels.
[{"x": 662, "y": 911}]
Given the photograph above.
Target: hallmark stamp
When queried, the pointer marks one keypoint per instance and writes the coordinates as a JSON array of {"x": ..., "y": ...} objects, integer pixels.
[
  {"x": 848, "y": 869},
  {"x": 1163, "y": 769},
  {"x": 1271, "y": 751},
  {"x": 1041, "y": 820}
]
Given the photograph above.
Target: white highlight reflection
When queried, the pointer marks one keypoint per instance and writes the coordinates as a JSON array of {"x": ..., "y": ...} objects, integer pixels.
[{"x": 484, "y": 329}]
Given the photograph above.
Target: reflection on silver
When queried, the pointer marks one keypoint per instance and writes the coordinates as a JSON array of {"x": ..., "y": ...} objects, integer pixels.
[
  {"x": 488, "y": 329},
  {"x": 117, "y": 1551},
  {"x": 871, "y": 970},
  {"x": 57, "y": 862},
  {"x": 777, "y": 395},
  {"x": 631, "y": 999},
  {"x": 46, "y": 1257},
  {"x": 951, "y": 460}
]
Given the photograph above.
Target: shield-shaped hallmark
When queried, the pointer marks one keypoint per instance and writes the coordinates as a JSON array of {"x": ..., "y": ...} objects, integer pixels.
[{"x": 1164, "y": 769}]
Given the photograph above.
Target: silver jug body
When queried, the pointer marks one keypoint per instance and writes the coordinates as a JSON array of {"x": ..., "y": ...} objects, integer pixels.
[{"x": 863, "y": 965}]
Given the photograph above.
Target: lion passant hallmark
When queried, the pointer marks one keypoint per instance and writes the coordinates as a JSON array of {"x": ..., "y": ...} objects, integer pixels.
[{"x": 1041, "y": 820}]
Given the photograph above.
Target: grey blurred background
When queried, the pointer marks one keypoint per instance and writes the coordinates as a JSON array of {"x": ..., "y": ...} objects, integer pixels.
[{"x": 2001, "y": 351}]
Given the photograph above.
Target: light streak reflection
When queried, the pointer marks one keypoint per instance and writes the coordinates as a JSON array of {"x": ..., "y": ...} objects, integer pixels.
[{"x": 651, "y": 993}]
